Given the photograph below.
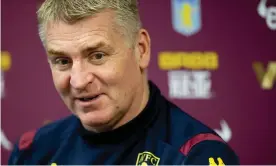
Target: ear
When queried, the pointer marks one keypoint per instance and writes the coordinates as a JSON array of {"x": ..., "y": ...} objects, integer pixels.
[{"x": 144, "y": 50}]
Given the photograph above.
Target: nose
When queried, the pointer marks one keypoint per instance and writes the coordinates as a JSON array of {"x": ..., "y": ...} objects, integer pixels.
[{"x": 80, "y": 76}]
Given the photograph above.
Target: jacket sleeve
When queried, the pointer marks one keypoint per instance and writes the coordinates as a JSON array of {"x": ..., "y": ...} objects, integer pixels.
[{"x": 211, "y": 152}]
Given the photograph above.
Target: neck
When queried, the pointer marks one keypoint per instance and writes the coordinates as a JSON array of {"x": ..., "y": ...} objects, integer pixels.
[{"x": 139, "y": 103}]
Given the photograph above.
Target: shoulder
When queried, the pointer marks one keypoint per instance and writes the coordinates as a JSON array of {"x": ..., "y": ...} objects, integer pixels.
[
  {"x": 43, "y": 138},
  {"x": 211, "y": 152},
  {"x": 55, "y": 131},
  {"x": 198, "y": 142},
  {"x": 184, "y": 127}
]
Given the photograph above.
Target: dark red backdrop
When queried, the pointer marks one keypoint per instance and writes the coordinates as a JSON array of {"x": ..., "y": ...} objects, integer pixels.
[{"x": 233, "y": 31}]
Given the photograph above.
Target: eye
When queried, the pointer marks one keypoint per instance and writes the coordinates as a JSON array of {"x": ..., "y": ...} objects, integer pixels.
[
  {"x": 97, "y": 57},
  {"x": 62, "y": 61}
]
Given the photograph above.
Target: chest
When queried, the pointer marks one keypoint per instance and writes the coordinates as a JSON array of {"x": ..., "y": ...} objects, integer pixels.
[{"x": 145, "y": 151}]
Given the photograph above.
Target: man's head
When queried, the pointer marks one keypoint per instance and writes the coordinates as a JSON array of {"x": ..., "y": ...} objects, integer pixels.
[{"x": 98, "y": 54}]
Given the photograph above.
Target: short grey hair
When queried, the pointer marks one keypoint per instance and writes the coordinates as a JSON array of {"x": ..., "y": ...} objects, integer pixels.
[{"x": 70, "y": 11}]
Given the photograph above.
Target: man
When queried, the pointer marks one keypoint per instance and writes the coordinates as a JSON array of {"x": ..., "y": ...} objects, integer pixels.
[{"x": 98, "y": 54}]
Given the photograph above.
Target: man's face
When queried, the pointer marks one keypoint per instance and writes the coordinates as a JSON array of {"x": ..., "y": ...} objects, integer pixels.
[{"x": 95, "y": 72}]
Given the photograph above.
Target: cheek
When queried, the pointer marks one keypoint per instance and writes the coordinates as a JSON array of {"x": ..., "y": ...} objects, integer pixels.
[
  {"x": 61, "y": 81},
  {"x": 121, "y": 71},
  {"x": 121, "y": 78}
]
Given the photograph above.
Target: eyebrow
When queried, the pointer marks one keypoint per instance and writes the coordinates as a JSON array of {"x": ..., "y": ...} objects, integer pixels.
[
  {"x": 55, "y": 52},
  {"x": 87, "y": 48}
]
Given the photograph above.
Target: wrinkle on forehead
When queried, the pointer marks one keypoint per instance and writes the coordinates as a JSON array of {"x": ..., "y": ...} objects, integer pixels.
[
  {"x": 99, "y": 25},
  {"x": 73, "y": 33},
  {"x": 79, "y": 39},
  {"x": 103, "y": 20}
]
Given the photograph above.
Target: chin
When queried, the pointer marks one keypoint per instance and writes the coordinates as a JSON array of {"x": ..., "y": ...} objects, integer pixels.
[{"x": 96, "y": 120}]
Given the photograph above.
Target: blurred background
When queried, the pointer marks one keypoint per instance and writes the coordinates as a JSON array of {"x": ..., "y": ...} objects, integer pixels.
[{"x": 214, "y": 59}]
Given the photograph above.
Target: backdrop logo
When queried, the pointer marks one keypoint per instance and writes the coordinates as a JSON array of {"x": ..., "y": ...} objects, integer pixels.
[
  {"x": 186, "y": 16},
  {"x": 268, "y": 13},
  {"x": 266, "y": 77},
  {"x": 225, "y": 131},
  {"x": 5, "y": 66},
  {"x": 189, "y": 73}
]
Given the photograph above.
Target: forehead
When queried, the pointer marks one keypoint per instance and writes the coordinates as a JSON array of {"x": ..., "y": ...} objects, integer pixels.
[{"x": 90, "y": 30}]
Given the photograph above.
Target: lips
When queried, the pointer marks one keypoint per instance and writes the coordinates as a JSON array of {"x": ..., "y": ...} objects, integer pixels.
[
  {"x": 84, "y": 99},
  {"x": 88, "y": 101}
]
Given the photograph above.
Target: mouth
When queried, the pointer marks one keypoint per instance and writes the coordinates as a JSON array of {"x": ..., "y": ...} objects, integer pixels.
[{"x": 87, "y": 99}]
